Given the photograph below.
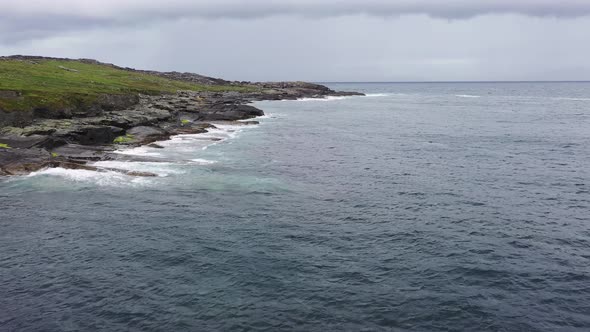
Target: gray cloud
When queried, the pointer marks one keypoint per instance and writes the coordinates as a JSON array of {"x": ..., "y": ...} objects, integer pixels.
[
  {"x": 22, "y": 20},
  {"x": 332, "y": 40},
  {"x": 360, "y": 48}
]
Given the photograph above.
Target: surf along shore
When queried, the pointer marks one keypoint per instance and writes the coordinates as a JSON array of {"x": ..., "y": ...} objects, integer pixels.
[{"x": 70, "y": 113}]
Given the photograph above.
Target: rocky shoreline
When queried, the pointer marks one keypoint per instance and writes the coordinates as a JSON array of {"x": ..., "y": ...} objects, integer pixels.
[{"x": 72, "y": 138}]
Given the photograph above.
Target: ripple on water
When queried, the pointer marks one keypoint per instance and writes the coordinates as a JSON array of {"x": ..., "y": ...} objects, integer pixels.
[{"x": 412, "y": 210}]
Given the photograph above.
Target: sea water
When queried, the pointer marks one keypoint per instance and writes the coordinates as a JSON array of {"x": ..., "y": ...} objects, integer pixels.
[{"x": 421, "y": 206}]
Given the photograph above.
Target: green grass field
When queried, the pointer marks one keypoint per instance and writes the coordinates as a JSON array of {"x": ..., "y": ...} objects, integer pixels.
[{"x": 43, "y": 83}]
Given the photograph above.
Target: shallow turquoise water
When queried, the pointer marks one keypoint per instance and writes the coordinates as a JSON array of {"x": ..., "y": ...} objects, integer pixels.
[{"x": 419, "y": 207}]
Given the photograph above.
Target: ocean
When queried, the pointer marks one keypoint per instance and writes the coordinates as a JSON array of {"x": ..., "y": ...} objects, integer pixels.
[{"x": 419, "y": 207}]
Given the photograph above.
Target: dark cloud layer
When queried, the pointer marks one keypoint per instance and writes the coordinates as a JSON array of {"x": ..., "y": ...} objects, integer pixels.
[
  {"x": 22, "y": 19},
  {"x": 314, "y": 40}
]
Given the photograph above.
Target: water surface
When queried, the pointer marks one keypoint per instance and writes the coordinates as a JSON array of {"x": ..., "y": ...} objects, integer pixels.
[{"x": 425, "y": 207}]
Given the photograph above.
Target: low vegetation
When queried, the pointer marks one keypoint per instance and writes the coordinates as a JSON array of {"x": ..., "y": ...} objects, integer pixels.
[
  {"x": 124, "y": 139},
  {"x": 53, "y": 84},
  {"x": 4, "y": 146}
]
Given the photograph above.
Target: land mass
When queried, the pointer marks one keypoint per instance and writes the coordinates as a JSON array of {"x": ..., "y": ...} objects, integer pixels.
[{"x": 71, "y": 112}]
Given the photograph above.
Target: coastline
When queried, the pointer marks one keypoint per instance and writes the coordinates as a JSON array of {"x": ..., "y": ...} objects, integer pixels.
[{"x": 78, "y": 139}]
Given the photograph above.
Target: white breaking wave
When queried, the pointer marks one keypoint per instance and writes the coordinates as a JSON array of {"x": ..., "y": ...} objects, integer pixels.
[
  {"x": 177, "y": 154},
  {"x": 161, "y": 169},
  {"x": 107, "y": 178},
  {"x": 332, "y": 98},
  {"x": 467, "y": 96},
  {"x": 186, "y": 143},
  {"x": 338, "y": 97},
  {"x": 140, "y": 151},
  {"x": 203, "y": 161},
  {"x": 329, "y": 98},
  {"x": 267, "y": 116}
]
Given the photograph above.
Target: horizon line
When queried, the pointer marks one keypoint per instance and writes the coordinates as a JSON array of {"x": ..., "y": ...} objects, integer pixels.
[{"x": 383, "y": 82}]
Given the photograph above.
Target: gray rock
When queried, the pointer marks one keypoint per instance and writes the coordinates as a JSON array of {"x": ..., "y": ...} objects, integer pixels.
[
  {"x": 140, "y": 116},
  {"x": 110, "y": 102},
  {"x": 22, "y": 161},
  {"x": 27, "y": 142},
  {"x": 68, "y": 69},
  {"x": 229, "y": 112},
  {"x": 82, "y": 152},
  {"x": 16, "y": 118},
  {"x": 90, "y": 135},
  {"x": 144, "y": 135},
  {"x": 85, "y": 133}
]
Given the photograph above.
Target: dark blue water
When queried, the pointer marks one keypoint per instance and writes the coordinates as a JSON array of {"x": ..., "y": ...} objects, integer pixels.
[{"x": 422, "y": 207}]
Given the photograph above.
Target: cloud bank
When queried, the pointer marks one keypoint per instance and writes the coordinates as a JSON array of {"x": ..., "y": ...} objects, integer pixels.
[
  {"x": 144, "y": 9},
  {"x": 26, "y": 19},
  {"x": 313, "y": 40}
]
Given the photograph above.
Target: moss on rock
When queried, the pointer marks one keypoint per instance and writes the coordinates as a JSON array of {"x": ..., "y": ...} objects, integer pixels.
[{"x": 124, "y": 139}]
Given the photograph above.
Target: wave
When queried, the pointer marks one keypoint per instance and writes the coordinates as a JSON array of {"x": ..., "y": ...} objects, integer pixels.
[
  {"x": 106, "y": 178},
  {"x": 143, "y": 151},
  {"x": 162, "y": 169},
  {"x": 328, "y": 98},
  {"x": 468, "y": 96},
  {"x": 333, "y": 98},
  {"x": 201, "y": 161},
  {"x": 177, "y": 154},
  {"x": 187, "y": 143}
]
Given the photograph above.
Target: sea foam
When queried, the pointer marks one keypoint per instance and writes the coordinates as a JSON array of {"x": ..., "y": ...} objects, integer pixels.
[{"x": 106, "y": 178}]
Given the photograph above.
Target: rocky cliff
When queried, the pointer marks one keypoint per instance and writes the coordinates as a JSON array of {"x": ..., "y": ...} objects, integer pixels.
[{"x": 130, "y": 108}]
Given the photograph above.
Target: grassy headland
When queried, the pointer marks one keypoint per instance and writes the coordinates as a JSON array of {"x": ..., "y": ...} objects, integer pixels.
[{"x": 52, "y": 83}]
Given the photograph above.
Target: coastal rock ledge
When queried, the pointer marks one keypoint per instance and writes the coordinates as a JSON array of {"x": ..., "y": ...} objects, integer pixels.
[{"x": 75, "y": 120}]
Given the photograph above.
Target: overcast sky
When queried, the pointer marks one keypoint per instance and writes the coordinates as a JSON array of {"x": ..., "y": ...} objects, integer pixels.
[{"x": 315, "y": 40}]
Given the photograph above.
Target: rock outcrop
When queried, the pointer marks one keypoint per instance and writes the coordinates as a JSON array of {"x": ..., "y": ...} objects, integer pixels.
[{"x": 71, "y": 137}]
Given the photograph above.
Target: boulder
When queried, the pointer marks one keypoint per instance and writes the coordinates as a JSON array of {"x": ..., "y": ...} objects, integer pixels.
[
  {"x": 22, "y": 161},
  {"x": 23, "y": 142},
  {"x": 108, "y": 102},
  {"x": 144, "y": 135},
  {"x": 82, "y": 152},
  {"x": 91, "y": 135},
  {"x": 186, "y": 128},
  {"x": 225, "y": 112},
  {"x": 141, "y": 116},
  {"x": 15, "y": 118}
]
